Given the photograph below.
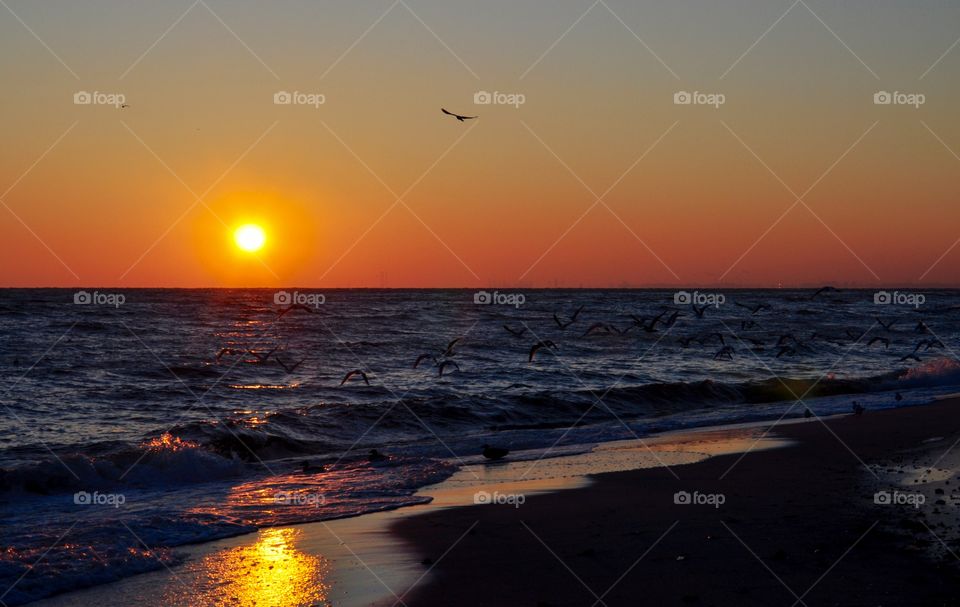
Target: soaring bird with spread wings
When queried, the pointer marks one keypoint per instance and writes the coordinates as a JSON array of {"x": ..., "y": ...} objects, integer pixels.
[{"x": 457, "y": 116}]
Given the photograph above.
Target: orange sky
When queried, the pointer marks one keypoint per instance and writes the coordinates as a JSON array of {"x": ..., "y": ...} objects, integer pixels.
[{"x": 97, "y": 196}]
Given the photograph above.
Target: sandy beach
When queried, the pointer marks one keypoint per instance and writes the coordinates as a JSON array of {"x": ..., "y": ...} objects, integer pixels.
[
  {"x": 740, "y": 515},
  {"x": 798, "y": 524}
]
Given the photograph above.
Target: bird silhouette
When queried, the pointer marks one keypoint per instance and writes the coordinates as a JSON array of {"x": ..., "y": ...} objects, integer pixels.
[
  {"x": 494, "y": 452},
  {"x": 347, "y": 377},
  {"x": 540, "y": 344},
  {"x": 457, "y": 116}
]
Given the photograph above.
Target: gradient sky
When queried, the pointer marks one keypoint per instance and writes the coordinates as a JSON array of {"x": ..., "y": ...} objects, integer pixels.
[{"x": 502, "y": 201}]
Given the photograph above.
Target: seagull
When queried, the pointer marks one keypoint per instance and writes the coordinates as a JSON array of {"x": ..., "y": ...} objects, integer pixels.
[
  {"x": 229, "y": 352},
  {"x": 541, "y": 344},
  {"x": 858, "y": 409},
  {"x": 457, "y": 116},
  {"x": 807, "y": 413},
  {"x": 289, "y": 368},
  {"x": 698, "y": 311},
  {"x": 446, "y": 364},
  {"x": 887, "y": 326},
  {"x": 598, "y": 327},
  {"x": 355, "y": 372},
  {"x": 449, "y": 351},
  {"x": 827, "y": 289},
  {"x": 424, "y": 357},
  {"x": 725, "y": 353},
  {"x": 922, "y": 328},
  {"x": 564, "y": 325},
  {"x": 308, "y": 469},
  {"x": 515, "y": 332},
  {"x": 494, "y": 452},
  {"x": 883, "y": 340},
  {"x": 296, "y": 306},
  {"x": 262, "y": 358},
  {"x": 754, "y": 309}
]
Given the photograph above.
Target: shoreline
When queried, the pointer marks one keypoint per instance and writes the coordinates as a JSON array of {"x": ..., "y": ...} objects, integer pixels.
[
  {"x": 358, "y": 560},
  {"x": 602, "y": 505}
]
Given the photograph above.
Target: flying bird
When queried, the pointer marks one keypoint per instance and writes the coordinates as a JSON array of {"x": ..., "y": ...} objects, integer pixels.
[
  {"x": 262, "y": 357},
  {"x": 515, "y": 332},
  {"x": 347, "y": 377},
  {"x": 289, "y": 368},
  {"x": 564, "y": 325},
  {"x": 540, "y": 344},
  {"x": 449, "y": 351},
  {"x": 457, "y": 116},
  {"x": 424, "y": 357},
  {"x": 444, "y": 365},
  {"x": 296, "y": 306}
]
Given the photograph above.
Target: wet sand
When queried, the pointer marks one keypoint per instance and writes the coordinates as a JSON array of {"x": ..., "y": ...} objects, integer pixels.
[
  {"x": 358, "y": 561},
  {"x": 801, "y": 524}
]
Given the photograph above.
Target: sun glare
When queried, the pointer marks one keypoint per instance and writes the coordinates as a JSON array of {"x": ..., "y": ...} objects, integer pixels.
[{"x": 250, "y": 237}]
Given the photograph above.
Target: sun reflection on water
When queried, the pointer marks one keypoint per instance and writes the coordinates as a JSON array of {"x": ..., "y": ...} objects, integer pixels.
[{"x": 270, "y": 572}]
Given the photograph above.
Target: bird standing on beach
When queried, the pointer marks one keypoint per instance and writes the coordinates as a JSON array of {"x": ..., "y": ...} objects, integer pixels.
[
  {"x": 494, "y": 453},
  {"x": 858, "y": 409}
]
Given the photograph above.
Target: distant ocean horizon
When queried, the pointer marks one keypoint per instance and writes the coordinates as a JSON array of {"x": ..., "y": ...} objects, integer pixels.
[{"x": 186, "y": 415}]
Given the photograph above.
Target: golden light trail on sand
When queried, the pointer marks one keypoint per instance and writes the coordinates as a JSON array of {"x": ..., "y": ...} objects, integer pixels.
[{"x": 272, "y": 571}]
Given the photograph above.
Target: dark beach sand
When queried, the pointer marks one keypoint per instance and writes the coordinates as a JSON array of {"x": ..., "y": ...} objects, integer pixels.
[{"x": 799, "y": 522}]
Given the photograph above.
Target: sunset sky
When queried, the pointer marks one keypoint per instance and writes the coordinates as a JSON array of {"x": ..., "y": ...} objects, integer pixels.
[{"x": 149, "y": 195}]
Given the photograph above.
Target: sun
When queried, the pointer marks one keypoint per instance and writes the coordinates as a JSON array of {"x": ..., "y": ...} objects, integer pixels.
[{"x": 250, "y": 237}]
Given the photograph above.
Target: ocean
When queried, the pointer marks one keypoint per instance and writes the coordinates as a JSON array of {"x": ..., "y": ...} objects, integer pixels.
[{"x": 137, "y": 421}]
